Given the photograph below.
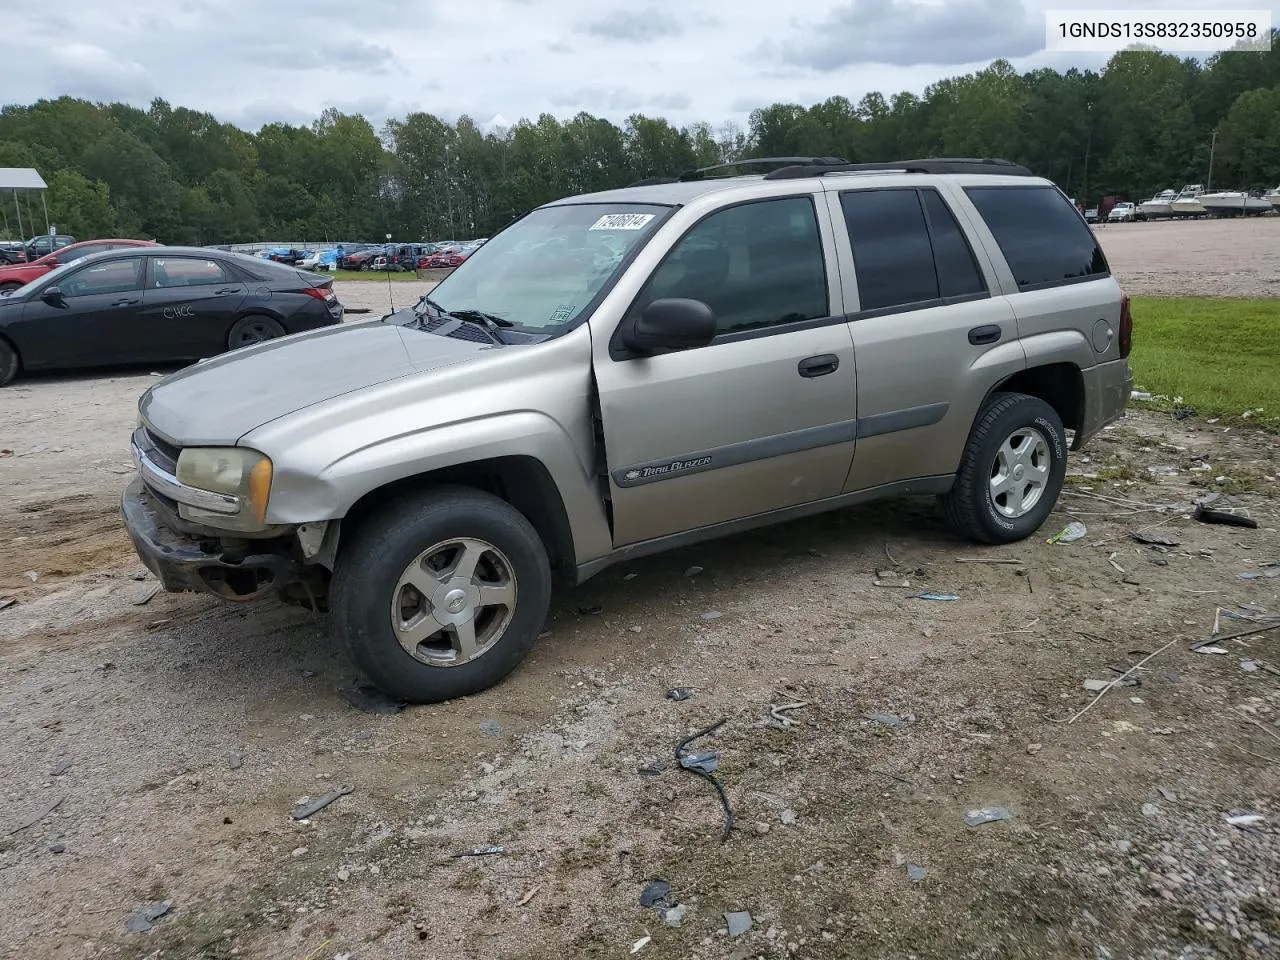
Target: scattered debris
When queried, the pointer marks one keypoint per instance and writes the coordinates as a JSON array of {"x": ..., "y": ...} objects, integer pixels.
[
  {"x": 372, "y": 700},
  {"x": 1231, "y": 516},
  {"x": 6, "y": 602},
  {"x": 1034, "y": 748},
  {"x": 141, "y": 921},
  {"x": 655, "y": 894},
  {"x": 937, "y": 596},
  {"x": 1249, "y": 666},
  {"x": 762, "y": 827},
  {"x": 1096, "y": 685},
  {"x": 679, "y": 693},
  {"x": 674, "y": 916},
  {"x": 1150, "y": 810},
  {"x": 306, "y": 810},
  {"x": 652, "y": 769},
  {"x": 57, "y": 848},
  {"x": 143, "y": 600},
  {"x": 788, "y": 817},
  {"x": 1261, "y": 574},
  {"x": 888, "y": 719},
  {"x": 707, "y": 763},
  {"x": 1203, "y": 646},
  {"x": 490, "y": 728},
  {"x": 32, "y": 576},
  {"x": 533, "y": 892},
  {"x": 738, "y": 923},
  {"x": 641, "y": 943},
  {"x": 1209, "y": 648},
  {"x": 1072, "y": 532},
  {"x": 1116, "y": 682},
  {"x": 916, "y": 873},
  {"x": 777, "y": 711},
  {"x": 235, "y": 759},
  {"x": 1014, "y": 563},
  {"x": 62, "y": 767},
  {"x": 693, "y": 571},
  {"x": 1139, "y": 395},
  {"x": 1167, "y": 794},
  {"x": 36, "y": 817},
  {"x": 694, "y": 766},
  {"x": 1246, "y": 820},
  {"x": 892, "y": 584},
  {"x": 1154, "y": 539},
  {"x": 981, "y": 815},
  {"x": 591, "y": 611},
  {"x": 712, "y": 615},
  {"x": 480, "y": 852}
]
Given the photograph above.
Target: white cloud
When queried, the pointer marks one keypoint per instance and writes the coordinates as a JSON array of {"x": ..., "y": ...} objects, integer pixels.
[{"x": 255, "y": 62}]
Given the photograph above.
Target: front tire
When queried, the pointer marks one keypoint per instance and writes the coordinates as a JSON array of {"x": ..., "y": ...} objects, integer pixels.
[
  {"x": 10, "y": 363},
  {"x": 441, "y": 595},
  {"x": 1011, "y": 472}
]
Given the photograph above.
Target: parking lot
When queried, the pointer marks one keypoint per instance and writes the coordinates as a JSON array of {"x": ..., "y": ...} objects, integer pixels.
[{"x": 152, "y": 746}]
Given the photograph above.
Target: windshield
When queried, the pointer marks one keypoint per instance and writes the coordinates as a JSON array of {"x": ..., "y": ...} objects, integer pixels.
[{"x": 543, "y": 271}]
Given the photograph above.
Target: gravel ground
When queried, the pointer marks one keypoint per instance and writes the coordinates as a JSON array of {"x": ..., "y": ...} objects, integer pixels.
[{"x": 175, "y": 733}]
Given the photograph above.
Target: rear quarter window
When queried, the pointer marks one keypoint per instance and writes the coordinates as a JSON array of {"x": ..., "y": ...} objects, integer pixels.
[{"x": 1042, "y": 236}]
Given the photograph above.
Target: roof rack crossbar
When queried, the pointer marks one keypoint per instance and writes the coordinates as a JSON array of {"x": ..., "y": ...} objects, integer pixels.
[
  {"x": 980, "y": 165},
  {"x": 701, "y": 172}
]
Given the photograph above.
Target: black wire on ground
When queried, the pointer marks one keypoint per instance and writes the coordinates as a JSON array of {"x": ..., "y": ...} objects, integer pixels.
[{"x": 715, "y": 782}]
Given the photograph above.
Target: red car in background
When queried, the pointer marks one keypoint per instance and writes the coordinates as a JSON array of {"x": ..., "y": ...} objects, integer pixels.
[
  {"x": 20, "y": 274},
  {"x": 443, "y": 259}
]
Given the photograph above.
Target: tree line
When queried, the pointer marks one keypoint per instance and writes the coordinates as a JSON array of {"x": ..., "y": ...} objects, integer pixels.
[{"x": 1145, "y": 122}]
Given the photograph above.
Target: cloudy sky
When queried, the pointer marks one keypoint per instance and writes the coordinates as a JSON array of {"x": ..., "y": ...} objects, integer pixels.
[{"x": 500, "y": 60}]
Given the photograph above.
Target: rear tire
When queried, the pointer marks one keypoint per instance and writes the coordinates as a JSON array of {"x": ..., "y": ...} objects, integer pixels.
[
  {"x": 10, "y": 363},
  {"x": 1011, "y": 472},
  {"x": 441, "y": 594},
  {"x": 253, "y": 329}
]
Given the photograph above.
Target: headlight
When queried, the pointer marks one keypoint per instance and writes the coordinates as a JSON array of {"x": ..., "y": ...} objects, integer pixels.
[{"x": 237, "y": 473}]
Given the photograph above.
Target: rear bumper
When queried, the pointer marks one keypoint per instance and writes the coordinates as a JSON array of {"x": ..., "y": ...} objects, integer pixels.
[
  {"x": 183, "y": 563},
  {"x": 1107, "y": 387}
]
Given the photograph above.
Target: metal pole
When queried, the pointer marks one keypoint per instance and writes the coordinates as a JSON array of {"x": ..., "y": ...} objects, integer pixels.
[
  {"x": 18, "y": 208},
  {"x": 44, "y": 203},
  {"x": 1213, "y": 142}
]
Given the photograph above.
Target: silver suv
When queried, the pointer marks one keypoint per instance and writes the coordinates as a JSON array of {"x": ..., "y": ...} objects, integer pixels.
[{"x": 625, "y": 372}]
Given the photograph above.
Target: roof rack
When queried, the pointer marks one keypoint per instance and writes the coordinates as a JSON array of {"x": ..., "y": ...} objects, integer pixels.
[
  {"x": 985, "y": 165},
  {"x": 789, "y": 163}
]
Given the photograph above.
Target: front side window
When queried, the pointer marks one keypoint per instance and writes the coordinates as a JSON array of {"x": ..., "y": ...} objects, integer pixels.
[
  {"x": 543, "y": 271},
  {"x": 168, "y": 272},
  {"x": 756, "y": 265},
  {"x": 1040, "y": 234},
  {"x": 109, "y": 276}
]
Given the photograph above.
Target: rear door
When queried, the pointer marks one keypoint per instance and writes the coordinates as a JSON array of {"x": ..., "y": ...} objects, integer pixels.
[
  {"x": 928, "y": 331},
  {"x": 96, "y": 320},
  {"x": 190, "y": 304}
]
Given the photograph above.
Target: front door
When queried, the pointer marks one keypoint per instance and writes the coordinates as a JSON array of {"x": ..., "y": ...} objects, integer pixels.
[
  {"x": 190, "y": 305},
  {"x": 96, "y": 318},
  {"x": 760, "y": 419}
]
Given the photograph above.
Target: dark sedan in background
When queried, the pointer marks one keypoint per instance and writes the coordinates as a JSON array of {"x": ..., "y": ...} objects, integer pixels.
[{"x": 156, "y": 305}]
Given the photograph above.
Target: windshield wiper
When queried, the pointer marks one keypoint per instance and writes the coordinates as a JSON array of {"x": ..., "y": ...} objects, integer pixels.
[{"x": 485, "y": 319}]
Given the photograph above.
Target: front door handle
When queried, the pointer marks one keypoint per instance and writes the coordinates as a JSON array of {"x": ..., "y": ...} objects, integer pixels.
[
  {"x": 124, "y": 303},
  {"x": 819, "y": 366},
  {"x": 988, "y": 334},
  {"x": 223, "y": 293}
]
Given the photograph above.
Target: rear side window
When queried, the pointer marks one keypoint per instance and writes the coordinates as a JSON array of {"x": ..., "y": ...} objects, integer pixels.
[
  {"x": 908, "y": 250},
  {"x": 1040, "y": 234}
]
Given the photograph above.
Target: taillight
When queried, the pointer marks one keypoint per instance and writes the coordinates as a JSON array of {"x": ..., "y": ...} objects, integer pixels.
[
  {"x": 1126, "y": 327},
  {"x": 319, "y": 293}
]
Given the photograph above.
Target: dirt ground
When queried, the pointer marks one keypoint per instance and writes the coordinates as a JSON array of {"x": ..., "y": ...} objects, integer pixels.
[{"x": 152, "y": 747}]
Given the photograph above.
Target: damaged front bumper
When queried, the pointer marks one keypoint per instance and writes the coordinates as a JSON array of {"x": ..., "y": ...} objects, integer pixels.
[{"x": 185, "y": 563}]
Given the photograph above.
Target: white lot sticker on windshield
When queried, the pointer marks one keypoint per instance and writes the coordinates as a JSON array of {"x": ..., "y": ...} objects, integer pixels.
[
  {"x": 622, "y": 221},
  {"x": 562, "y": 313}
]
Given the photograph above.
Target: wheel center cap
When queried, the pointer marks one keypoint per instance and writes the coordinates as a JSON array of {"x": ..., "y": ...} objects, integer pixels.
[
  {"x": 1017, "y": 472},
  {"x": 455, "y": 600}
]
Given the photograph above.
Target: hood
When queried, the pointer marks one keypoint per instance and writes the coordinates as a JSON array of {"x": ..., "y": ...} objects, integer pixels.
[{"x": 217, "y": 402}]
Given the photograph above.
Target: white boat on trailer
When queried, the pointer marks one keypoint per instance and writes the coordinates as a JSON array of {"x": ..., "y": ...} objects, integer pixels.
[
  {"x": 1187, "y": 202},
  {"x": 1159, "y": 206},
  {"x": 1224, "y": 203},
  {"x": 1273, "y": 197}
]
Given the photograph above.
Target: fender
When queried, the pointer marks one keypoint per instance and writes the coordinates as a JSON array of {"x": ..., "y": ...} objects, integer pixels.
[{"x": 303, "y": 491}]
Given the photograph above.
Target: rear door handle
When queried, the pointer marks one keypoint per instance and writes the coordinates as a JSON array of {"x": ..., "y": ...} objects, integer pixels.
[
  {"x": 224, "y": 292},
  {"x": 819, "y": 366},
  {"x": 988, "y": 334}
]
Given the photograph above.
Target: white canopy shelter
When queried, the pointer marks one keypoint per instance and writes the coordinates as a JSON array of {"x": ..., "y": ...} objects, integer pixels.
[{"x": 22, "y": 180}]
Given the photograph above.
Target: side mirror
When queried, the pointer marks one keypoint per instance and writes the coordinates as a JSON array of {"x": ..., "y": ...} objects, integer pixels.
[
  {"x": 671, "y": 323},
  {"x": 52, "y": 295}
]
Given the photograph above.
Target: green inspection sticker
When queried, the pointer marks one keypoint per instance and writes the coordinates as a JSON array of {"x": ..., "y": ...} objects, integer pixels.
[{"x": 562, "y": 313}]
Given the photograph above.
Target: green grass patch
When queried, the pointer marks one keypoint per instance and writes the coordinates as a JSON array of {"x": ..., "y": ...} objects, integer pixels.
[
  {"x": 1221, "y": 356},
  {"x": 371, "y": 275}
]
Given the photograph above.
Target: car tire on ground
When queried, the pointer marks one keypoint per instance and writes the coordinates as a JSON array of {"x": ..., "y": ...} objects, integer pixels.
[
  {"x": 9, "y": 287},
  {"x": 10, "y": 363},
  {"x": 252, "y": 329},
  {"x": 1011, "y": 471},
  {"x": 441, "y": 594}
]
